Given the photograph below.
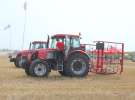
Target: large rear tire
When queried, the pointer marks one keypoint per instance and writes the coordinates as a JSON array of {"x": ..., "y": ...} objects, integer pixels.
[
  {"x": 64, "y": 72},
  {"x": 39, "y": 68},
  {"x": 77, "y": 65}
]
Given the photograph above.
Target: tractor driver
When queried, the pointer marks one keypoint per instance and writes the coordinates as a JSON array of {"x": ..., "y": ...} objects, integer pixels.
[{"x": 60, "y": 50}]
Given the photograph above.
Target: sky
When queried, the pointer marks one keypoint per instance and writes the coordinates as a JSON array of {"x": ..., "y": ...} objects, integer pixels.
[{"x": 108, "y": 20}]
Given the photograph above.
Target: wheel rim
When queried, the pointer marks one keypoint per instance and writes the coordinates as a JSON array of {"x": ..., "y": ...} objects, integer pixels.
[
  {"x": 40, "y": 69},
  {"x": 78, "y": 66}
]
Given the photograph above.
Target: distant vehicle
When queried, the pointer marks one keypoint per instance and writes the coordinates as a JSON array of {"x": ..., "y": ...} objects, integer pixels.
[
  {"x": 16, "y": 56},
  {"x": 133, "y": 59}
]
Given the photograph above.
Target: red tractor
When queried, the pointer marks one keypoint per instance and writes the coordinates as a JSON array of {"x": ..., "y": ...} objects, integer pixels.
[
  {"x": 17, "y": 57},
  {"x": 74, "y": 60}
]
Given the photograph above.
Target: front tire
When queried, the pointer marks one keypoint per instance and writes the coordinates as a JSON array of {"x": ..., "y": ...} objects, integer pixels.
[
  {"x": 17, "y": 62},
  {"x": 39, "y": 68}
]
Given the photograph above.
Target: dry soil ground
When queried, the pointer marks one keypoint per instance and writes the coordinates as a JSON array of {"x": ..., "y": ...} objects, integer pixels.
[{"x": 15, "y": 85}]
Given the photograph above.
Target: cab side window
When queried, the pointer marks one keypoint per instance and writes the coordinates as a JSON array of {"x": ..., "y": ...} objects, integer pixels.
[{"x": 75, "y": 42}]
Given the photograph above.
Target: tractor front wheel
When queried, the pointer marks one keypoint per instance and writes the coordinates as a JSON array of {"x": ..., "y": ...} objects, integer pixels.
[
  {"x": 17, "y": 62},
  {"x": 39, "y": 68}
]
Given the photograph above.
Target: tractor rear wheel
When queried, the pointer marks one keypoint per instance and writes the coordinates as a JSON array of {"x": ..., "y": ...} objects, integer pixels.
[
  {"x": 77, "y": 65},
  {"x": 64, "y": 72},
  {"x": 39, "y": 68}
]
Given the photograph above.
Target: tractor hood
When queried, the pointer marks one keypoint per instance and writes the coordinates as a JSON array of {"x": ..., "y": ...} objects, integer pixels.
[
  {"x": 46, "y": 53},
  {"x": 25, "y": 52}
]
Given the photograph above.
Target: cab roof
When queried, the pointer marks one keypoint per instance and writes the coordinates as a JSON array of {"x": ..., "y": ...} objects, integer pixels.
[
  {"x": 64, "y": 35},
  {"x": 39, "y": 42}
]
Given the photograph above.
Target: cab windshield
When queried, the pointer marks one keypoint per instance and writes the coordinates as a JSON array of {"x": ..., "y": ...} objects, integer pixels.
[
  {"x": 38, "y": 45},
  {"x": 54, "y": 41},
  {"x": 75, "y": 42}
]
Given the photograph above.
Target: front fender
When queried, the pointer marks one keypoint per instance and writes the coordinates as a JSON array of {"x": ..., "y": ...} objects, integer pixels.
[{"x": 42, "y": 54}]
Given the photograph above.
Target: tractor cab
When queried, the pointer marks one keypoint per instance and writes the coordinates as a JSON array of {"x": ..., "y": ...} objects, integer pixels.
[
  {"x": 71, "y": 42},
  {"x": 37, "y": 45}
]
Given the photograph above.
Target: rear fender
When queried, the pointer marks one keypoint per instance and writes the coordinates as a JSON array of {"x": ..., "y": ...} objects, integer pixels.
[{"x": 76, "y": 52}]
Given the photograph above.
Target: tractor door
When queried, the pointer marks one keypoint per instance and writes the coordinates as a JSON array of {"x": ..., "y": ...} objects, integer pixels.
[
  {"x": 74, "y": 44},
  {"x": 67, "y": 45}
]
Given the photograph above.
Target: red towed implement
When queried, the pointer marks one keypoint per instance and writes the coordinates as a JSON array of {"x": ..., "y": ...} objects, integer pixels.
[{"x": 106, "y": 57}]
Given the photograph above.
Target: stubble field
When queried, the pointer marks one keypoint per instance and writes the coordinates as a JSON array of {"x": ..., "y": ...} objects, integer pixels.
[{"x": 15, "y": 85}]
